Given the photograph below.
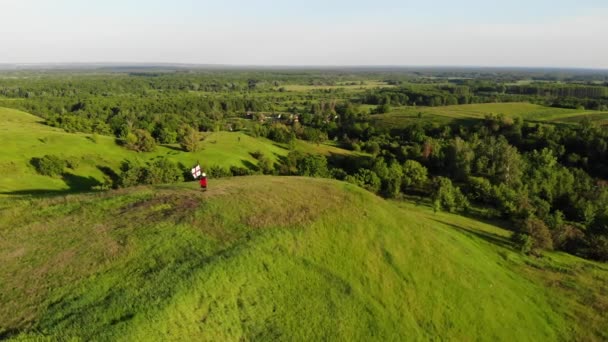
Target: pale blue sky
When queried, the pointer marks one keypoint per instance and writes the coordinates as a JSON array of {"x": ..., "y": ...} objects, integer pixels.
[{"x": 382, "y": 32}]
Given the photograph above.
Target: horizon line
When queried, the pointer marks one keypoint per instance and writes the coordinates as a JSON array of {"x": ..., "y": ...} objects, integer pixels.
[{"x": 310, "y": 66}]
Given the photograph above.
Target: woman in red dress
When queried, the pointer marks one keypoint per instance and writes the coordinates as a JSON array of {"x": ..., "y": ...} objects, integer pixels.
[{"x": 204, "y": 181}]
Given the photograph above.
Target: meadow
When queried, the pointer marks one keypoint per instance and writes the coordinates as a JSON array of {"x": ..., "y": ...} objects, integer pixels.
[
  {"x": 403, "y": 116},
  {"x": 24, "y": 136},
  {"x": 256, "y": 258}
]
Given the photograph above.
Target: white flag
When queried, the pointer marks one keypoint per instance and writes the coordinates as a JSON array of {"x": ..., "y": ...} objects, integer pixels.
[{"x": 196, "y": 171}]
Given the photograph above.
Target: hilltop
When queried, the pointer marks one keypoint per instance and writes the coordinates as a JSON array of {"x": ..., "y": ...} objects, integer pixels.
[{"x": 279, "y": 258}]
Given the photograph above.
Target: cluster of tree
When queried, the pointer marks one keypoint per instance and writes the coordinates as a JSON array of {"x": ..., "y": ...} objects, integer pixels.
[{"x": 527, "y": 173}]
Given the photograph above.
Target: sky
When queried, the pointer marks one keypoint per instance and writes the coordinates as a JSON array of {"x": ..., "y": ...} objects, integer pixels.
[{"x": 530, "y": 33}]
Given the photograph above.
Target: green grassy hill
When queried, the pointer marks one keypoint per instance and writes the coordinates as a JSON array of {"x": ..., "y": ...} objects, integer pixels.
[
  {"x": 277, "y": 258},
  {"x": 402, "y": 116},
  {"x": 24, "y": 136}
]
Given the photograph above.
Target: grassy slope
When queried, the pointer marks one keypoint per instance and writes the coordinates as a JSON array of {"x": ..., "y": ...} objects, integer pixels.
[
  {"x": 258, "y": 258},
  {"x": 23, "y": 136},
  {"x": 527, "y": 111}
]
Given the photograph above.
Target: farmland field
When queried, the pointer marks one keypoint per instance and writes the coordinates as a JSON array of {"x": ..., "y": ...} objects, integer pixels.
[{"x": 473, "y": 112}]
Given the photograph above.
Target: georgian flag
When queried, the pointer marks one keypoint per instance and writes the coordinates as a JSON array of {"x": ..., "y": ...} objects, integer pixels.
[{"x": 196, "y": 171}]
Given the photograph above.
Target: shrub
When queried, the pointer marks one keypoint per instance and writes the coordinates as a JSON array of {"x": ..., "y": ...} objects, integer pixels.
[
  {"x": 447, "y": 196},
  {"x": 216, "y": 171},
  {"x": 49, "y": 165},
  {"x": 140, "y": 140},
  {"x": 566, "y": 237},
  {"x": 414, "y": 174},
  {"x": 72, "y": 163},
  {"x": 598, "y": 247},
  {"x": 158, "y": 171},
  {"x": 538, "y": 234},
  {"x": 240, "y": 171},
  {"x": 131, "y": 174},
  {"x": 313, "y": 166},
  {"x": 367, "y": 179},
  {"x": 265, "y": 165},
  {"x": 189, "y": 139},
  {"x": 479, "y": 189},
  {"x": 372, "y": 148},
  {"x": 161, "y": 171},
  {"x": 338, "y": 174}
]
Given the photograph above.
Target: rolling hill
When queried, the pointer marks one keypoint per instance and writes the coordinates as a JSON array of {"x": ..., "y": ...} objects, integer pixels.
[
  {"x": 279, "y": 258},
  {"x": 402, "y": 116},
  {"x": 24, "y": 136}
]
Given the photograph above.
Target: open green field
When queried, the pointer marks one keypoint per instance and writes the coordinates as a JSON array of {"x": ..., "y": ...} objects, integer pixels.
[
  {"x": 470, "y": 113},
  {"x": 24, "y": 136},
  {"x": 347, "y": 87},
  {"x": 277, "y": 258}
]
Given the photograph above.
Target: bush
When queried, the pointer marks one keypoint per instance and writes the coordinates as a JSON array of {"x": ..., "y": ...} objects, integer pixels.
[
  {"x": 372, "y": 148},
  {"x": 216, "y": 171},
  {"x": 161, "y": 171},
  {"x": 131, "y": 174},
  {"x": 414, "y": 174},
  {"x": 265, "y": 165},
  {"x": 566, "y": 237},
  {"x": 598, "y": 247},
  {"x": 538, "y": 236},
  {"x": 189, "y": 139},
  {"x": 49, "y": 165},
  {"x": 72, "y": 163},
  {"x": 313, "y": 166},
  {"x": 140, "y": 140},
  {"x": 367, "y": 179},
  {"x": 158, "y": 171},
  {"x": 338, "y": 174},
  {"x": 447, "y": 196},
  {"x": 479, "y": 189},
  {"x": 240, "y": 171}
]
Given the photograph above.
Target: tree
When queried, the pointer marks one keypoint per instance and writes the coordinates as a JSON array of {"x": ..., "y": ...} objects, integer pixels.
[
  {"x": 391, "y": 185},
  {"x": 460, "y": 157},
  {"x": 367, "y": 179},
  {"x": 414, "y": 174},
  {"x": 383, "y": 108},
  {"x": 447, "y": 196},
  {"x": 189, "y": 139},
  {"x": 372, "y": 148},
  {"x": 313, "y": 165},
  {"x": 140, "y": 140}
]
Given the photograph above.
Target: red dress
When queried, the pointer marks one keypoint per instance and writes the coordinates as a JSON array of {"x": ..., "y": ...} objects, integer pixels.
[{"x": 204, "y": 182}]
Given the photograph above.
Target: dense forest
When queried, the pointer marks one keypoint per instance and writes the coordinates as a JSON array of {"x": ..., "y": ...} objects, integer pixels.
[{"x": 548, "y": 180}]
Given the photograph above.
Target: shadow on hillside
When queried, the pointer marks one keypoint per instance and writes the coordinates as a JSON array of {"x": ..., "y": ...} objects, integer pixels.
[
  {"x": 75, "y": 183},
  {"x": 114, "y": 177},
  {"x": 251, "y": 166},
  {"x": 80, "y": 183},
  {"x": 489, "y": 237},
  {"x": 173, "y": 148}
]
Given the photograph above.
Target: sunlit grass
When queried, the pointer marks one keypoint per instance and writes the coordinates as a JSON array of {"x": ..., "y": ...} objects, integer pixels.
[{"x": 279, "y": 258}]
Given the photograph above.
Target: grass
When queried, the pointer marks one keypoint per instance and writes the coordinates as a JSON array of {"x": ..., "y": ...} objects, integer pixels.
[
  {"x": 24, "y": 136},
  {"x": 402, "y": 116},
  {"x": 277, "y": 258},
  {"x": 346, "y": 87}
]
